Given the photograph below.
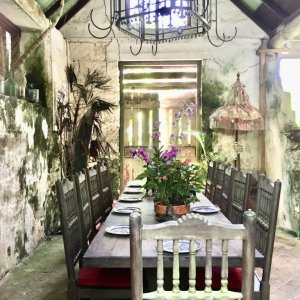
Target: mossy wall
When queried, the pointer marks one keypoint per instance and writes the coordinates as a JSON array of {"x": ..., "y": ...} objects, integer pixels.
[
  {"x": 23, "y": 156},
  {"x": 29, "y": 155}
]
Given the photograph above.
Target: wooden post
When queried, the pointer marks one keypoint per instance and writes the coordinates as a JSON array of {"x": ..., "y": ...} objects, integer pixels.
[
  {"x": 249, "y": 221},
  {"x": 136, "y": 263},
  {"x": 262, "y": 110}
]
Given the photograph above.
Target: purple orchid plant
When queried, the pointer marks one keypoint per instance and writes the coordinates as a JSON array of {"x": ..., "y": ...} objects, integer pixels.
[{"x": 171, "y": 181}]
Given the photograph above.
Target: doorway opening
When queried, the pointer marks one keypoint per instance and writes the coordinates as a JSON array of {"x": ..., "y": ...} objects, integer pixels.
[
  {"x": 152, "y": 92},
  {"x": 290, "y": 73}
]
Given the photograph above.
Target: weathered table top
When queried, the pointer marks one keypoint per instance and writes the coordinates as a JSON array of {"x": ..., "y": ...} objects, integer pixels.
[{"x": 108, "y": 250}]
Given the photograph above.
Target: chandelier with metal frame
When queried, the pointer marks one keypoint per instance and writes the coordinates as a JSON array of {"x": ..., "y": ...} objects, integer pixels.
[{"x": 160, "y": 21}]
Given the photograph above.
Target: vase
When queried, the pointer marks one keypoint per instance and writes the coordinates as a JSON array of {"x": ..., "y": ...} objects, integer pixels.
[{"x": 170, "y": 212}]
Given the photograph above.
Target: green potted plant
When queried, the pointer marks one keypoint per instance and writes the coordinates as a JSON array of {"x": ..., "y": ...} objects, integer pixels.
[{"x": 173, "y": 183}]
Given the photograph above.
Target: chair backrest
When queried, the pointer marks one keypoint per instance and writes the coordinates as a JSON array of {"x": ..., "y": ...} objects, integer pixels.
[
  {"x": 226, "y": 192},
  {"x": 239, "y": 197},
  {"x": 210, "y": 179},
  {"x": 220, "y": 171},
  {"x": 105, "y": 184},
  {"x": 95, "y": 194},
  {"x": 267, "y": 203},
  {"x": 84, "y": 205},
  {"x": 71, "y": 225},
  {"x": 191, "y": 227}
]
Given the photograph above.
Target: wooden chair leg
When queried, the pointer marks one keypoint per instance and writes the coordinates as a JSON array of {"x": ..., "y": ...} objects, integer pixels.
[
  {"x": 264, "y": 290},
  {"x": 72, "y": 294}
]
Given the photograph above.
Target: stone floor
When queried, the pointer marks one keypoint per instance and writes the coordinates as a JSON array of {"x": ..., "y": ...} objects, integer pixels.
[{"x": 42, "y": 276}]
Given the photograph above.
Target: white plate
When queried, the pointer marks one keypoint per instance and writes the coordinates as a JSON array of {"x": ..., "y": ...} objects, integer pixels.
[
  {"x": 126, "y": 210},
  {"x": 118, "y": 229},
  {"x": 205, "y": 209},
  {"x": 131, "y": 197},
  {"x": 184, "y": 246},
  {"x": 136, "y": 183},
  {"x": 134, "y": 190}
]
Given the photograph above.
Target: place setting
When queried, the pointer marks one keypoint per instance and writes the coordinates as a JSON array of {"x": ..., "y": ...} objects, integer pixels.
[
  {"x": 118, "y": 229},
  {"x": 127, "y": 210},
  {"x": 205, "y": 209},
  {"x": 134, "y": 190},
  {"x": 136, "y": 183},
  {"x": 184, "y": 246},
  {"x": 131, "y": 197}
]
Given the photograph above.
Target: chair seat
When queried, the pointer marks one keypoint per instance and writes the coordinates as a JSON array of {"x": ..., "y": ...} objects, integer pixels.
[
  {"x": 104, "y": 278},
  {"x": 234, "y": 278}
]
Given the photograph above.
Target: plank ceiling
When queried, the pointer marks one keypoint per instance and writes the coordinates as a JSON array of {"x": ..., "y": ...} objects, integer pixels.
[{"x": 269, "y": 15}]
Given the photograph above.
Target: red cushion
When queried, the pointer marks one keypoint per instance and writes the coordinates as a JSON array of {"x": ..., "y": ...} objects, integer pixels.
[
  {"x": 105, "y": 278},
  {"x": 99, "y": 225},
  {"x": 234, "y": 278}
]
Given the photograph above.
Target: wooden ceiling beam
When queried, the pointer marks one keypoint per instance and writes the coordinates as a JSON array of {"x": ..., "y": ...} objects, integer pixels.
[
  {"x": 276, "y": 9},
  {"x": 252, "y": 16},
  {"x": 72, "y": 12},
  {"x": 52, "y": 9},
  {"x": 287, "y": 31}
]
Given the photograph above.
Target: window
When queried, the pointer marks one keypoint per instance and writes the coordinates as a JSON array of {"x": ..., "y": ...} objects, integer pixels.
[
  {"x": 153, "y": 92},
  {"x": 9, "y": 44},
  {"x": 289, "y": 73}
]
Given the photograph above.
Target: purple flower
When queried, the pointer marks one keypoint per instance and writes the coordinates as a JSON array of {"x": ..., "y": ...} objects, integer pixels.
[
  {"x": 172, "y": 137},
  {"x": 177, "y": 116},
  {"x": 181, "y": 136},
  {"x": 133, "y": 152},
  {"x": 156, "y": 135},
  {"x": 165, "y": 156},
  {"x": 142, "y": 151},
  {"x": 144, "y": 155},
  {"x": 157, "y": 124}
]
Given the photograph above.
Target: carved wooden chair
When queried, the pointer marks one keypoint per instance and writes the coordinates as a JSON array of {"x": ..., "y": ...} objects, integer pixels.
[
  {"x": 226, "y": 192},
  {"x": 192, "y": 227},
  {"x": 239, "y": 197},
  {"x": 105, "y": 184},
  {"x": 85, "y": 207},
  {"x": 95, "y": 194},
  {"x": 210, "y": 179},
  {"x": 86, "y": 283},
  {"x": 220, "y": 171},
  {"x": 268, "y": 196}
]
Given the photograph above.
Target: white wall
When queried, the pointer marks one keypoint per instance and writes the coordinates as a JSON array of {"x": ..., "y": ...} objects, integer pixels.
[
  {"x": 221, "y": 63},
  {"x": 29, "y": 157}
]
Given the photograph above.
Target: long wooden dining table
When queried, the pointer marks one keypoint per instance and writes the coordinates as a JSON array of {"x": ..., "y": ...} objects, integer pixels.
[{"x": 113, "y": 251}]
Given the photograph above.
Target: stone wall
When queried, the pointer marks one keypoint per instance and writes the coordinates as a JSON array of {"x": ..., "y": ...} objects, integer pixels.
[
  {"x": 30, "y": 154},
  {"x": 23, "y": 168},
  {"x": 221, "y": 64},
  {"x": 218, "y": 63}
]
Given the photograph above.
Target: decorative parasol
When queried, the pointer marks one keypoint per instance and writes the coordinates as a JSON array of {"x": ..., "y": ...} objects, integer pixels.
[{"x": 237, "y": 115}]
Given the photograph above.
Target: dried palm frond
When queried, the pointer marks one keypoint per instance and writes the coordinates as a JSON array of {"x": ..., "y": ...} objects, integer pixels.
[
  {"x": 97, "y": 79},
  {"x": 71, "y": 76}
]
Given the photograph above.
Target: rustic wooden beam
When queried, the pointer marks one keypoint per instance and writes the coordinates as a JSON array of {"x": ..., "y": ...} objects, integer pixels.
[
  {"x": 252, "y": 16},
  {"x": 70, "y": 13},
  {"x": 151, "y": 88},
  {"x": 155, "y": 75},
  {"x": 276, "y": 9},
  {"x": 262, "y": 109},
  {"x": 52, "y": 9},
  {"x": 287, "y": 31}
]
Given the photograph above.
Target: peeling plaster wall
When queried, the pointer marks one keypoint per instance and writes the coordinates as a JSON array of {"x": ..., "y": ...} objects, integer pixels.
[
  {"x": 23, "y": 168},
  {"x": 281, "y": 163},
  {"x": 221, "y": 63},
  {"x": 29, "y": 155}
]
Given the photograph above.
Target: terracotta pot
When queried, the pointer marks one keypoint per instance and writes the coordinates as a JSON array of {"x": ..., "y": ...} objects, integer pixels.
[
  {"x": 180, "y": 210},
  {"x": 177, "y": 210}
]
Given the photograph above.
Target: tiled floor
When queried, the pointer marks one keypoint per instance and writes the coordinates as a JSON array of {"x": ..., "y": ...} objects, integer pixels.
[{"x": 42, "y": 276}]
